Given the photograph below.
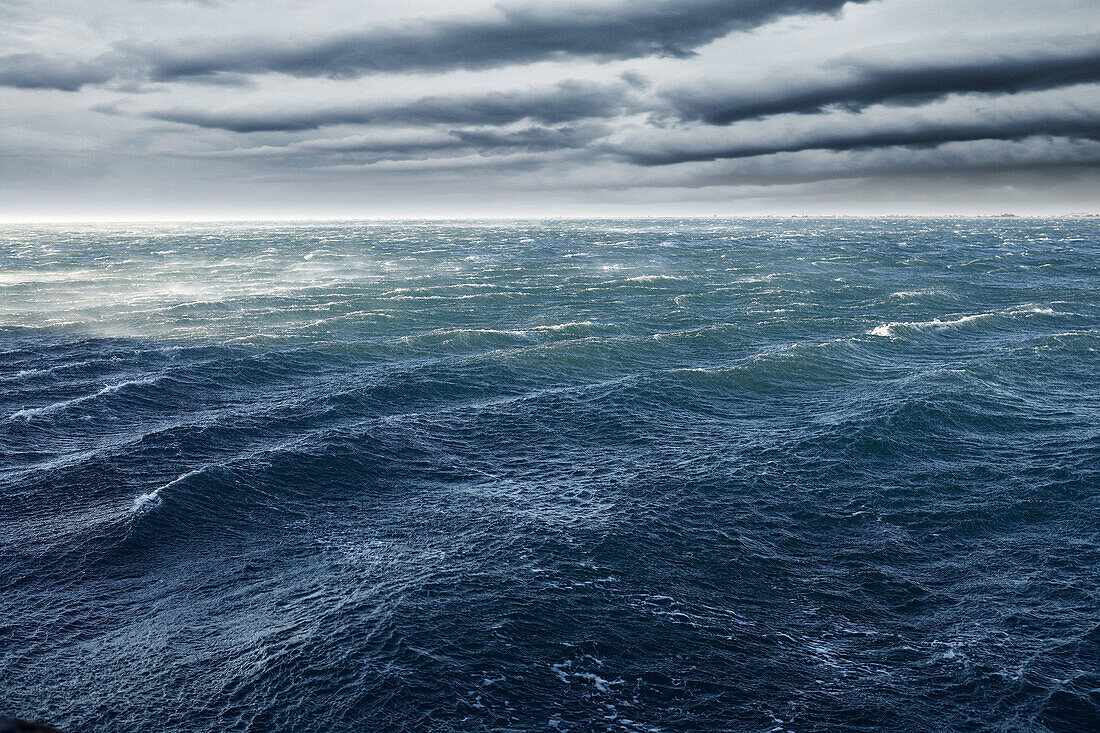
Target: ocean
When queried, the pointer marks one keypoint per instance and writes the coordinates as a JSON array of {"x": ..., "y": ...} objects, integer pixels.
[{"x": 608, "y": 475}]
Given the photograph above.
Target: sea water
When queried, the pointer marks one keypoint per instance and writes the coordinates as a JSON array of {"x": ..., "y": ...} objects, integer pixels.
[{"x": 638, "y": 475}]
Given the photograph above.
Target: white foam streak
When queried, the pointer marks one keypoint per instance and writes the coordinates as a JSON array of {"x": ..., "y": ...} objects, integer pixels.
[
  {"x": 888, "y": 329},
  {"x": 651, "y": 278},
  {"x": 912, "y": 293},
  {"x": 147, "y": 501},
  {"x": 563, "y": 326},
  {"x": 29, "y": 412}
]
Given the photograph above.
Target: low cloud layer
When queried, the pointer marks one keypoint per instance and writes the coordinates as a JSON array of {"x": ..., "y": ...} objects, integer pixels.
[
  {"x": 460, "y": 108},
  {"x": 511, "y": 34},
  {"x": 855, "y": 82},
  {"x": 564, "y": 102},
  {"x": 888, "y": 128},
  {"x": 37, "y": 71}
]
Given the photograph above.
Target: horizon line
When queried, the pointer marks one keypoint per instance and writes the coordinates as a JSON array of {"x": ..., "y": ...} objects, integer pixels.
[{"x": 567, "y": 217}]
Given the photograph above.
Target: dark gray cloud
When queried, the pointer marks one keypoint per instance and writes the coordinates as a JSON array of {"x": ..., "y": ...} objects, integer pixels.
[
  {"x": 513, "y": 105},
  {"x": 534, "y": 138},
  {"x": 856, "y": 83},
  {"x": 564, "y": 102},
  {"x": 920, "y": 135},
  {"x": 35, "y": 71},
  {"x": 811, "y": 165},
  {"x": 487, "y": 141},
  {"x": 516, "y": 34}
]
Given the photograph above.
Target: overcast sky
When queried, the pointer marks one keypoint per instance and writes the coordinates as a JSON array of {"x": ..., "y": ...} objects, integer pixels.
[{"x": 137, "y": 109}]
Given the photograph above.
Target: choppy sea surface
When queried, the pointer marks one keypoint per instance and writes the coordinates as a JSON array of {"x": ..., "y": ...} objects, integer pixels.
[{"x": 639, "y": 475}]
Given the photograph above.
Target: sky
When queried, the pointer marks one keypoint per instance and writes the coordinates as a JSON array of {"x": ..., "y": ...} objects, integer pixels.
[{"x": 261, "y": 109}]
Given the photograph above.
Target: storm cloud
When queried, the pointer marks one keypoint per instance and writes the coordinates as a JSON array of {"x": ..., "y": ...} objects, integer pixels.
[
  {"x": 566, "y": 101},
  {"x": 513, "y": 34},
  {"x": 36, "y": 71},
  {"x": 846, "y": 133},
  {"x": 428, "y": 143},
  {"x": 855, "y": 83},
  {"x": 132, "y": 108}
]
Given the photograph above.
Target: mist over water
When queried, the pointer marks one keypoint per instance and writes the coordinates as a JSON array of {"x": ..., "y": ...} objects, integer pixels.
[{"x": 634, "y": 475}]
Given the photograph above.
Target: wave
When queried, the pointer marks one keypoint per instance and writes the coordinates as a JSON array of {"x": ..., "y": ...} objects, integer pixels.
[
  {"x": 1033, "y": 309},
  {"x": 35, "y": 277},
  {"x": 151, "y": 499},
  {"x": 513, "y": 332},
  {"x": 470, "y": 296},
  {"x": 451, "y": 332},
  {"x": 30, "y": 412},
  {"x": 564, "y": 326},
  {"x": 888, "y": 329},
  {"x": 651, "y": 278},
  {"x": 913, "y": 293},
  {"x": 145, "y": 502}
]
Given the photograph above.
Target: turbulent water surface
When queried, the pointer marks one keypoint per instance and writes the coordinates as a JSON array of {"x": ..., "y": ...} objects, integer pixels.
[{"x": 608, "y": 475}]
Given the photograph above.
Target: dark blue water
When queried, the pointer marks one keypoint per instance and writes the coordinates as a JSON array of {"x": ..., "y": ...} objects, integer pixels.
[{"x": 675, "y": 475}]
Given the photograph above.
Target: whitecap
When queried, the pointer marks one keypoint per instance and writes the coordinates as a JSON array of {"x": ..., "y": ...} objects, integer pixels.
[
  {"x": 887, "y": 329},
  {"x": 563, "y": 326},
  {"x": 600, "y": 683},
  {"x": 911, "y": 293},
  {"x": 151, "y": 499},
  {"x": 1033, "y": 309},
  {"x": 651, "y": 278},
  {"x": 29, "y": 412},
  {"x": 451, "y": 332}
]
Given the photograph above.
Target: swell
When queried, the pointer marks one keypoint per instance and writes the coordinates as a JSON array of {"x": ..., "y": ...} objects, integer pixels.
[
  {"x": 353, "y": 498},
  {"x": 897, "y": 329},
  {"x": 286, "y": 409},
  {"x": 956, "y": 409},
  {"x": 32, "y": 412}
]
